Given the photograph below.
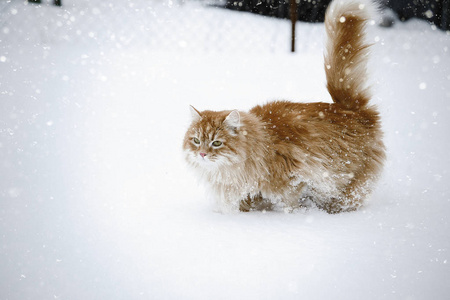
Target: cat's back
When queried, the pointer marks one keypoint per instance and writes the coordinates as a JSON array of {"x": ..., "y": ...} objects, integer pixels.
[
  {"x": 280, "y": 114},
  {"x": 307, "y": 122},
  {"x": 283, "y": 110},
  {"x": 289, "y": 122}
]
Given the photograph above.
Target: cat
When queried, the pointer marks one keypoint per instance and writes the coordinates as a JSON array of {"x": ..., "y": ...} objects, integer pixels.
[{"x": 289, "y": 154}]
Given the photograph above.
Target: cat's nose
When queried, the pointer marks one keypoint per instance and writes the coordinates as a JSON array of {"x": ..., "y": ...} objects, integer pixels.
[{"x": 203, "y": 155}]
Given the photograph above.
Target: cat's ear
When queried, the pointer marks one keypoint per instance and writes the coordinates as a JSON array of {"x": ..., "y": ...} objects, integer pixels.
[
  {"x": 233, "y": 120},
  {"x": 195, "y": 114}
]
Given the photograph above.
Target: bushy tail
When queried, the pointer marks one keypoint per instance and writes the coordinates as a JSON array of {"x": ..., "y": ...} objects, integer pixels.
[{"x": 346, "y": 52}]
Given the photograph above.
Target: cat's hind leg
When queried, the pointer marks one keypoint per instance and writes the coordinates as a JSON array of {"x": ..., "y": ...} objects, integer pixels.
[
  {"x": 294, "y": 198},
  {"x": 351, "y": 198}
]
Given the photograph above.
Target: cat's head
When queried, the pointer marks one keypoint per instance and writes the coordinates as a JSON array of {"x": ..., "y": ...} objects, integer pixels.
[{"x": 212, "y": 139}]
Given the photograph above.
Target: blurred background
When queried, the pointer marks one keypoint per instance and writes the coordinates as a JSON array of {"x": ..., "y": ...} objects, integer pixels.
[{"x": 144, "y": 22}]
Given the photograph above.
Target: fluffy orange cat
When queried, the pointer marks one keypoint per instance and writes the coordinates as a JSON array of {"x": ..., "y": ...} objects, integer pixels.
[{"x": 288, "y": 154}]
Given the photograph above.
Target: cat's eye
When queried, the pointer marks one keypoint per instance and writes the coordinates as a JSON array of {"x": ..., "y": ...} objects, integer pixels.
[
  {"x": 217, "y": 143},
  {"x": 196, "y": 141}
]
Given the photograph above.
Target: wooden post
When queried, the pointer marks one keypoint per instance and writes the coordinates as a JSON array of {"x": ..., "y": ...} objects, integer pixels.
[{"x": 293, "y": 11}]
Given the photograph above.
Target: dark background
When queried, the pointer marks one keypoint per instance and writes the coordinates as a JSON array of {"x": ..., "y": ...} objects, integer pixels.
[{"x": 434, "y": 11}]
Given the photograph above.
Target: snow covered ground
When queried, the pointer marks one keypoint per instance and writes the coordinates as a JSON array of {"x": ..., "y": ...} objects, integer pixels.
[{"x": 96, "y": 201}]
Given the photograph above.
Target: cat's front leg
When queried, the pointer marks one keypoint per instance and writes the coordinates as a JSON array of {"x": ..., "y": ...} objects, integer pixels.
[
  {"x": 227, "y": 201},
  {"x": 251, "y": 203}
]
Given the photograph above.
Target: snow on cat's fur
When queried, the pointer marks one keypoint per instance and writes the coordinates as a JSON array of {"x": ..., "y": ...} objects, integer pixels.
[{"x": 287, "y": 153}]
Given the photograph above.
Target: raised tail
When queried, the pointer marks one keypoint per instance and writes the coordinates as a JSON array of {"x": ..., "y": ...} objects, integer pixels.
[{"x": 346, "y": 52}]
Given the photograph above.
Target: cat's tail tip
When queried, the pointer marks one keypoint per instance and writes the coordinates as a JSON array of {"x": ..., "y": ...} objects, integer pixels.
[{"x": 346, "y": 51}]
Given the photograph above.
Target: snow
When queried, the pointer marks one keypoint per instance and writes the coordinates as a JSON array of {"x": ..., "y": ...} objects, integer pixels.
[{"x": 96, "y": 200}]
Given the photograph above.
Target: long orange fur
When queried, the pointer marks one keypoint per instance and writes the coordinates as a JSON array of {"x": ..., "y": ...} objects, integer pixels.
[{"x": 286, "y": 153}]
